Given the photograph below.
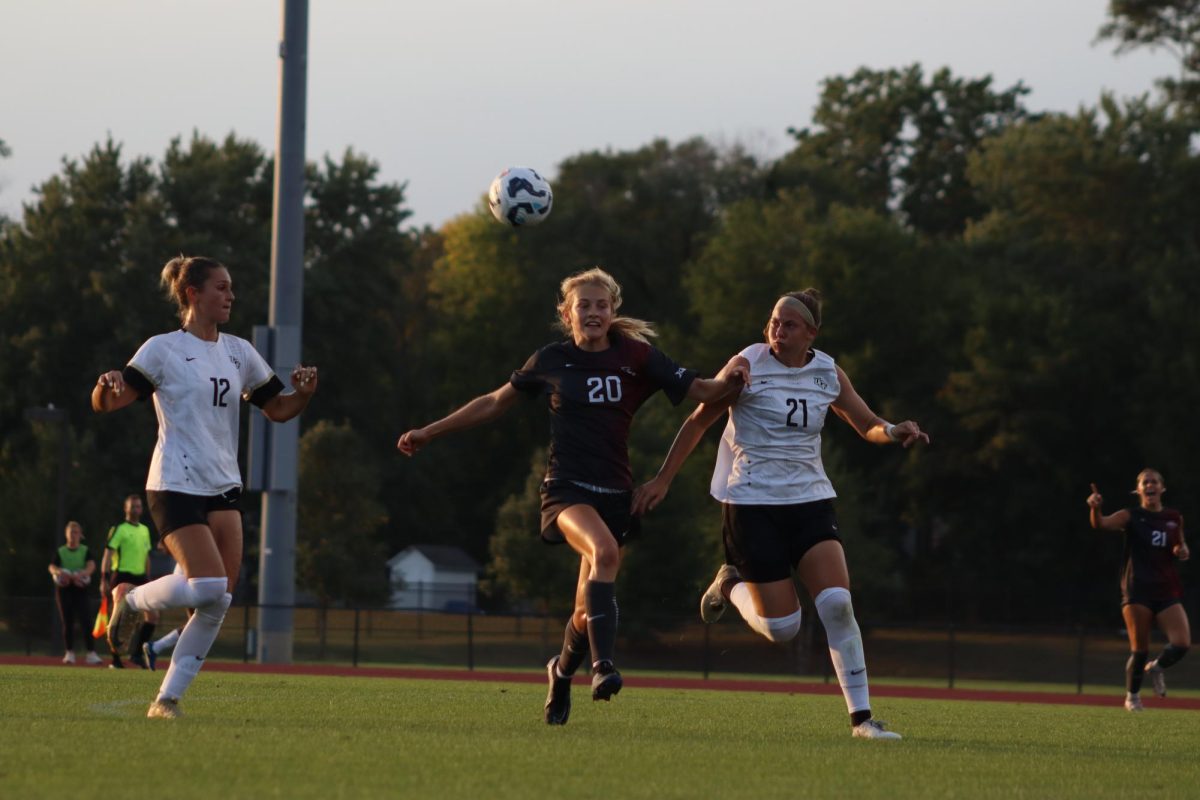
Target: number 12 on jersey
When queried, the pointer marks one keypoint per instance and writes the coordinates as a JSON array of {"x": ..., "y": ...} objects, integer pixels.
[{"x": 220, "y": 389}]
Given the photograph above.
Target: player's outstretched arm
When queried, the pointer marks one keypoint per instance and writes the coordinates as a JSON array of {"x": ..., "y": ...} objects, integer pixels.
[
  {"x": 110, "y": 393},
  {"x": 869, "y": 425},
  {"x": 482, "y": 409},
  {"x": 647, "y": 496},
  {"x": 727, "y": 383}
]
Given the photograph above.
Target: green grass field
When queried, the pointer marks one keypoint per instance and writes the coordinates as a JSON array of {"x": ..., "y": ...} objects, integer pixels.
[{"x": 286, "y": 736}]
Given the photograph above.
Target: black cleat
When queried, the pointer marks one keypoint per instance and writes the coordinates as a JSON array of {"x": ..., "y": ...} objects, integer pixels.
[
  {"x": 558, "y": 698},
  {"x": 606, "y": 681}
]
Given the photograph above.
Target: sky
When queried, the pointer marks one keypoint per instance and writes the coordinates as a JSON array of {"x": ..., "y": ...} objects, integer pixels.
[{"x": 443, "y": 95}]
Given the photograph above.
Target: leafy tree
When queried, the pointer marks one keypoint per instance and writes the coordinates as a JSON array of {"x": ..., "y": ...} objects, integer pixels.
[
  {"x": 887, "y": 140},
  {"x": 339, "y": 555},
  {"x": 1170, "y": 24}
]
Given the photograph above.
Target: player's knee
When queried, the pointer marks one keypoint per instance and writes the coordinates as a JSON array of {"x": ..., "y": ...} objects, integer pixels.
[
  {"x": 782, "y": 629},
  {"x": 836, "y": 611},
  {"x": 206, "y": 592},
  {"x": 607, "y": 558},
  {"x": 215, "y": 611}
]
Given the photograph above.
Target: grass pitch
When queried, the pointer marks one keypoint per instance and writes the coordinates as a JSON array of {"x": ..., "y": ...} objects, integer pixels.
[{"x": 286, "y": 736}]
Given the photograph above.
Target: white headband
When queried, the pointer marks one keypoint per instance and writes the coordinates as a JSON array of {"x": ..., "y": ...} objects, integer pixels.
[{"x": 799, "y": 308}]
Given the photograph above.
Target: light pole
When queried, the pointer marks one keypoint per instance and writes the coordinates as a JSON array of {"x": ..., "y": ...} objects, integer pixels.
[{"x": 56, "y": 416}]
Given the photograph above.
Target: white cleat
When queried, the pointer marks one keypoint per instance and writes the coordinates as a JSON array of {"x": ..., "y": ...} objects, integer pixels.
[
  {"x": 167, "y": 708},
  {"x": 92, "y": 658},
  {"x": 1133, "y": 703},
  {"x": 1157, "y": 677},
  {"x": 873, "y": 729},
  {"x": 69, "y": 658},
  {"x": 712, "y": 603}
]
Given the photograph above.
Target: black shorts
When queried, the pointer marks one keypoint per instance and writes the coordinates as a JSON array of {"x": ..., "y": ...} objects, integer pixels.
[
  {"x": 766, "y": 543},
  {"x": 1157, "y": 605},
  {"x": 119, "y": 577},
  {"x": 174, "y": 510},
  {"x": 614, "y": 509}
]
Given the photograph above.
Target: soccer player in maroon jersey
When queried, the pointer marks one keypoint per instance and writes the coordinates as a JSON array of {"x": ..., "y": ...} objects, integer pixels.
[
  {"x": 1150, "y": 587},
  {"x": 594, "y": 381}
]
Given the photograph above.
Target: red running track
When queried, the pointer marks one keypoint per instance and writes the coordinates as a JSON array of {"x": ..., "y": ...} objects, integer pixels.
[{"x": 656, "y": 682}]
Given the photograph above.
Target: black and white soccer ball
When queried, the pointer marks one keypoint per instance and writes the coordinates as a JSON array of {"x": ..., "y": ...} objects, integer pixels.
[{"x": 519, "y": 196}]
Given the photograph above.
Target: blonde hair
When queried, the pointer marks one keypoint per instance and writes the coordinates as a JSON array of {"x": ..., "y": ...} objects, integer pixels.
[
  {"x": 810, "y": 298},
  {"x": 184, "y": 271},
  {"x": 626, "y": 326}
]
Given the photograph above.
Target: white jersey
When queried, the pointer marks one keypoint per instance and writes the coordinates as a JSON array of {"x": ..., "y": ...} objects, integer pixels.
[
  {"x": 770, "y": 453},
  {"x": 196, "y": 389}
]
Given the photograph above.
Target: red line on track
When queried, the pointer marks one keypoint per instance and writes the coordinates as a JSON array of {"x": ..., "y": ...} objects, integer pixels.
[{"x": 650, "y": 681}]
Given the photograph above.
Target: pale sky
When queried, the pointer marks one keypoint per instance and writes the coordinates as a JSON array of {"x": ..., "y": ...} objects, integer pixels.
[{"x": 445, "y": 94}]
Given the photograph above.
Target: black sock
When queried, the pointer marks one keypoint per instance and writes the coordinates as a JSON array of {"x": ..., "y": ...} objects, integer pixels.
[
  {"x": 1170, "y": 655},
  {"x": 601, "y": 604},
  {"x": 1135, "y": 668},
  {"x": 145, "y": 634},
  {"x": 575, "y": 643},
  {"x": 859, "y": 717}
]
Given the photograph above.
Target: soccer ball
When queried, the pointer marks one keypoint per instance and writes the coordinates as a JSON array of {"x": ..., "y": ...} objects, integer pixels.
[{"x": 520, "y": 196}]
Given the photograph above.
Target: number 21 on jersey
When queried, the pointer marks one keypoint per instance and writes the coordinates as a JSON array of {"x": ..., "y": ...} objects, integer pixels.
[{"x": 797, "y": 405}]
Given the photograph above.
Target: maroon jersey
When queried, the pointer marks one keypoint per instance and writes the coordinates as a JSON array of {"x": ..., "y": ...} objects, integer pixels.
[
  {"x": 1149, "y": 572},
  {"x": 593, "y": 397}
]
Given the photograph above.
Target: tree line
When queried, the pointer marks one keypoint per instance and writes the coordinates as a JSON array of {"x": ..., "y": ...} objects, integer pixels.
[{"x": 1022, "y": 284}]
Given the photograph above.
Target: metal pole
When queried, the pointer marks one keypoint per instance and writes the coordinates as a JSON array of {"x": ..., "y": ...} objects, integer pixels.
[{"x": 277, "y": 561}]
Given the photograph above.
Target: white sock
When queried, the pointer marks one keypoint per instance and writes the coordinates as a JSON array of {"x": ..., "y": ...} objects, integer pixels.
[
  {"x": 193, "y": 646},
  {"x": 166, "y": 642},
  {"x": 845, "y": 646},
  {"x": 777, "y": 629},
  {"x": 176, "y": 591}
]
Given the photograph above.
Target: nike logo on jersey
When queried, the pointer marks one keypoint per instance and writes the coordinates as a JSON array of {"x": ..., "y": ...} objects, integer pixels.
[
  {"x": 629, "y": 371},
  {"x": 193, "y": 358}
]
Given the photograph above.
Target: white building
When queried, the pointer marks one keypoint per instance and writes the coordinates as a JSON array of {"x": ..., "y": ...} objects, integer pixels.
[{"x": 434, "y": 577}]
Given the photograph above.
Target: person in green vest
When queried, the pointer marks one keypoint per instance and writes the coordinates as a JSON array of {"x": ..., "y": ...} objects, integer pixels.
[
  {"x": 72, "y": 570},
  {"x": 127, "y": 560}
]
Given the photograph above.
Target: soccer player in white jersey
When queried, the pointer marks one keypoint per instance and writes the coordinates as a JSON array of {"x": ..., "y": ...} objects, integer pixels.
[
  {"x": 196, "y": 376},
  {"x": 776, "y": 499}
]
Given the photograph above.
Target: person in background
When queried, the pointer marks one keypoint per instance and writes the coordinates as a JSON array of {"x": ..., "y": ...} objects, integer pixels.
[
  {"x": 127, "y": 560},
  {"x": 1150, "y": 588},
  {"x": 72, "y": 569}
]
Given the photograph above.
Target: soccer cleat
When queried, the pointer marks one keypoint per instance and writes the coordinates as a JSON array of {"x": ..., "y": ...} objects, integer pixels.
[
  {"x": 1133, "y": 703},
  {"x": 558, "y": 698},
  {"x": 1158, "y": 678},
  {"x": 149, "y": 656},
  {"x": 873, "y": 729},
  {"x": 606, "y": 681},
  {"x": 69, "y": 658},
  {"x": 123, "y": 619},
  {"x": 167, "y": 708},
  {"x": 92, "y": 658},
  {"x": 712, "y": 603},
  {"x": 137, "y": 661}
]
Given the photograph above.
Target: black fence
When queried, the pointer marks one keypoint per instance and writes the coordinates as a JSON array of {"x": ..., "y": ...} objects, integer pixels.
[{"x": 946, "y": 654}]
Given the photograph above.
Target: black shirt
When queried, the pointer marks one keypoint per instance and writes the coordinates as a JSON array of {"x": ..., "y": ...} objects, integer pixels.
[
  {"x": 1149, "y": 569},
  {"x": 593, "y": 397}
]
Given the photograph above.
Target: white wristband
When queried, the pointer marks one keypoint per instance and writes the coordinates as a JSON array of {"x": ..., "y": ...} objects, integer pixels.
[{"x": 890, "y": 430}]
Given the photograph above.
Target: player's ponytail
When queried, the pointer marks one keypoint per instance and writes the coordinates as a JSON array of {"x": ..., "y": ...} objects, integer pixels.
[
  {"x": 184, "y": 271},
  {"x": 629, "y": 327}
]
